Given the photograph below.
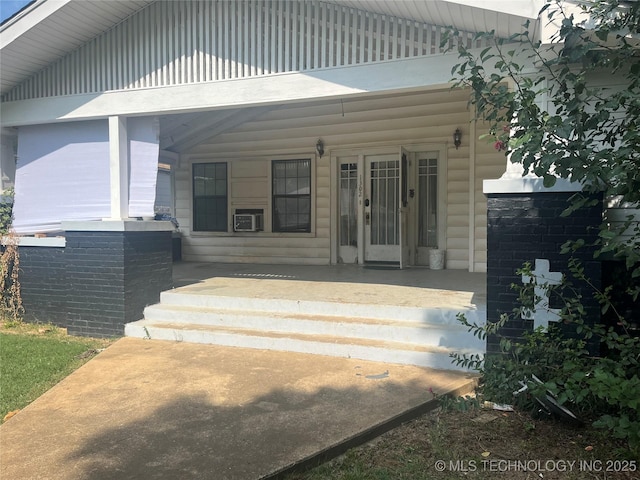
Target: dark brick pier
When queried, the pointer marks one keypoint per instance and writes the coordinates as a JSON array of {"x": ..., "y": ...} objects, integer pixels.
[
  {"x": 522, "y": 227},
  {"x": 98, "y": 281}
]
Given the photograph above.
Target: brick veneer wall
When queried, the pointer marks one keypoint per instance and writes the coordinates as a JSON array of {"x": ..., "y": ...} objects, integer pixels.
[
  {"x": 522, "y": 227},
  {"x": 43, "y": 283},
  {"x": 98, "y": 282},
  {"x": 147, "y": 270}
]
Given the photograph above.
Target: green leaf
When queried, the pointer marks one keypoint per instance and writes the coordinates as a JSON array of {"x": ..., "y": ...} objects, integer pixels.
[
  {"x": 484, "y": 52},
  {"x": 549, "y": 180}
]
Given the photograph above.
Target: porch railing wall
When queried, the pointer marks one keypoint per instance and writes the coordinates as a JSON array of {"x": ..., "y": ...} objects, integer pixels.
[{"x": 183, "y": 42}]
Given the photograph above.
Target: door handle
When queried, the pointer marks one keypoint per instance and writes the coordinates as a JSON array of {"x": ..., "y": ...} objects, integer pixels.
[{"x": 366, "y": 202}]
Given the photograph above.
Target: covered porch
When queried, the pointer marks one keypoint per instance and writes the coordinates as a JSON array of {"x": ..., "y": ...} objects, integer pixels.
[
  {"x": 398, "y": 172},
  {"x": 316, "y": 155}
]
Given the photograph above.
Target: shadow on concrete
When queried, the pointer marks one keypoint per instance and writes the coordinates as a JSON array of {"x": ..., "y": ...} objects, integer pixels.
[{"x": 189, "y": 438}]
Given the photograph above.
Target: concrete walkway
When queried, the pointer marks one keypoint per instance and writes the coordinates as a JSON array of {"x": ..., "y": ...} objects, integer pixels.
[{"x": 146, "y": 409}]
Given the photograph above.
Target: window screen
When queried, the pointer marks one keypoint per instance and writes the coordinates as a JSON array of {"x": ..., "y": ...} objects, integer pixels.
[
  {"x": 291, "y": 195},
  {"x": 210, "y": 197}
]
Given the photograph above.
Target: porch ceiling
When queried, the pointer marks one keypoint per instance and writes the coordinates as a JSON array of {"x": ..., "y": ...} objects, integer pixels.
[
  {"x": 181, "y": 132},
  {"x": 46, "y": 30},
  {"x": 188, "y": 132}
]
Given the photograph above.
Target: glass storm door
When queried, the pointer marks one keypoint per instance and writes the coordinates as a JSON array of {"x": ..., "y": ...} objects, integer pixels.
[{"x": 382, "y": 208}]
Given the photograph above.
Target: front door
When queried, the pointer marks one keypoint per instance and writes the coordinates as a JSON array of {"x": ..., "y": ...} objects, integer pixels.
[
  {"x": 382, "y": 208},
  {"x": 388, "y": 205}
]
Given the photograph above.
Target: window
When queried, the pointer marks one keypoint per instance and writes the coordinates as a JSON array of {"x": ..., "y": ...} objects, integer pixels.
[
  {"x": 210, "y": 197},
  {"x": 291, "y": 195},
  {"x": 349, "y": 204},
  {"x": 428, "y": 201}
]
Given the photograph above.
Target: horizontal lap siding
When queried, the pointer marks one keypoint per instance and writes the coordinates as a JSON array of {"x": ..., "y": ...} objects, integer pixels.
[
  {"x": 490, "y": 164},
  {"x": 258, "y": 250},
  {"x": 457, "y": 255},
  {"x": 425, "y": 117}
]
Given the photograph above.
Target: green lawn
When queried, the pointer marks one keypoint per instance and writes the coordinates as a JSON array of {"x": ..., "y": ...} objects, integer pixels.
[{"x": 33, "y": 358}]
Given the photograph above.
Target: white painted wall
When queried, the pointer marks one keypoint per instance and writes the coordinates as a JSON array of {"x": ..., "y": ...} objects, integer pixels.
[
  {"x": 64, "y": 173},
  {"x": 143, "y": 143},
  {"x": 487, "y": 163}
]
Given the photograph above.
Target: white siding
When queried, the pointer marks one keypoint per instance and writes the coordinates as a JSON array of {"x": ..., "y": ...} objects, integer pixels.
[
  {"x": 457, "y": 229},
  {"x": 418, "y": 118},
  {"x": 183, "y": 42},
  {"x": 489, "y": 163}
]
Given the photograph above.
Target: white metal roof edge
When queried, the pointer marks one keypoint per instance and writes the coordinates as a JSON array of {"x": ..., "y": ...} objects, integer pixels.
[{"x": 28, "y": 18}]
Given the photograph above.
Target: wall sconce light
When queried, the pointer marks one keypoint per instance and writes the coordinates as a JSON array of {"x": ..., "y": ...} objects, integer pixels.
[
  {"x": 320, "y": 147},
  {"x": 457, "y": 138}
]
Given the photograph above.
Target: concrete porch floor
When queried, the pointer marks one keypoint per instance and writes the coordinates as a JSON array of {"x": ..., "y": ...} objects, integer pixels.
[{"x": 411, "y": 287}]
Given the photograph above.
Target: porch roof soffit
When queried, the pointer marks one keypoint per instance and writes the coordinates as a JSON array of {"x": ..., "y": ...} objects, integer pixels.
[
  {"x": 47, "y": 30},
  {"x": 505, "y": 17}
]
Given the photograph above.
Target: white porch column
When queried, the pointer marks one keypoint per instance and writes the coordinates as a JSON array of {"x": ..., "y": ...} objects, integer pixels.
[{"x": 119, "y": 168}]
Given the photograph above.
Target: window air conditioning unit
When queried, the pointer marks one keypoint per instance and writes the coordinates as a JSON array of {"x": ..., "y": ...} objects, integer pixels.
[{"x": 247, "y": 222}]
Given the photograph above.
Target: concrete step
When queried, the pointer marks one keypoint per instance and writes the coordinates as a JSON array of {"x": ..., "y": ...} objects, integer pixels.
[
  {"x": 436, "y": 315},
  {"x": 391, "y": 324},
  {"x": 365, "y": 349},
  {"x": 409, "y": 331}
]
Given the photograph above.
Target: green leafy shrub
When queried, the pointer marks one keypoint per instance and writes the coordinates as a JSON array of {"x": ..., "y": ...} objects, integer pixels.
[
  {"x": 605, "y": 389},
  {"x": 548, "y": 111},
  {"x": 10, "y": 293},
  {"x": 6, "y": 211}
]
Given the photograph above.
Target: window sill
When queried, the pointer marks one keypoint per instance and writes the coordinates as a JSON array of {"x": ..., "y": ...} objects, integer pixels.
[{"x": 253, "y": 234}]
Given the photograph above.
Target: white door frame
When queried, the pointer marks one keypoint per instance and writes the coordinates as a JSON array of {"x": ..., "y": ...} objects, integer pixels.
[
  {"x": 405, "y": 203},
  {"x": 420, "y": 252},
  {"x": 411, "y": 213}
]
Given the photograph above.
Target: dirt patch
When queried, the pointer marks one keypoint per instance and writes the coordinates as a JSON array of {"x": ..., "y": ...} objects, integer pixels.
[{"x": 484, "y": 444}]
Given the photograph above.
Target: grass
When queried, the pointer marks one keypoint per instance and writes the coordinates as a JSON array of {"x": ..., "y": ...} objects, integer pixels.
[
  {"x": 34, "y": 357},
  {"x": 479, "y": 444}
]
